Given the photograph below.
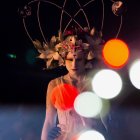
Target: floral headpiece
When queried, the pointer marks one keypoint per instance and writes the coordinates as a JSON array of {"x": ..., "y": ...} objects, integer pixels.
[{"x": 74, "y": 40}]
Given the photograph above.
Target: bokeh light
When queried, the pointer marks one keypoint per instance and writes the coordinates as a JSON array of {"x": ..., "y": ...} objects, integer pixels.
[
  {"x": 107, "y": 84},
  {"x": 88, "y": 104},
  {"x": 63, "y": 96},
  {"x": 30, "y": 56},
  {"x": 134, "y": 73},
  {"x": 12, "y": 56},
  {"x": 115, "y": 53},
  {"x": 91, "y": 135}
]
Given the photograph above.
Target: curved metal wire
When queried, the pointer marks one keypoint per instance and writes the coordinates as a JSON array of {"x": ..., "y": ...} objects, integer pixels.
[
  {"x": 119, "y": 27},
  {"x": 63, "y": 11},
  {"x": 39, "y": 22},
  {"x": 26, "y": 30},
  {"x": 62, "y": 16},
  {"x": 71, "y": 18},
  {"x": 86, "y": 18},
  {"x": 67, "y": 25},
  {"x": 33, "y": 1},
  {"x": 102, "y": 25},
  {"x": 112, "y": 0},
  {"x": 59, "y": 8},
  {"x": 88, "y": 3},
  {"x": 46, "y": 2},
  {"x": 81, "y": 9},
  {"x": 83, "y": 13}
]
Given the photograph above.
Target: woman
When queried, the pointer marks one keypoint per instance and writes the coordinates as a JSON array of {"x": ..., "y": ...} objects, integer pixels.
[{"x": 77, "y": 56}]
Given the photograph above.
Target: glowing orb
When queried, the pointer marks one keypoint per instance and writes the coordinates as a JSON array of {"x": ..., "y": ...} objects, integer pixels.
[
  {"x": 115, "y": 53},
  {"x": 88, "y": 104},
  {"x": 13, "y": 56},
  {"x": 30, "y": 56},
  {"x": 63, "y": 96},
  {"x": 107, "y": 84},
  {"x": 134, "y": 74},
  {"x": 91, "y": 135}
]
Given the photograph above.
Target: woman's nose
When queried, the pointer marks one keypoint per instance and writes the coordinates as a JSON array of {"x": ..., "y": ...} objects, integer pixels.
[{"x": 74, "y": 63}]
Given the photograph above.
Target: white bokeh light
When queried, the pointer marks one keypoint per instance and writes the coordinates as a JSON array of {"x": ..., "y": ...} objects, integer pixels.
[
  {"x": 88, "y": 104},
  {"x": 107, "y": 84},
  {"x": 91, "y": 135},
  {"x": 134, "y": 73}
]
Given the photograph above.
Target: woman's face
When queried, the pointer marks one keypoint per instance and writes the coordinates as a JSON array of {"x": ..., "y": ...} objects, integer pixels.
[{"x": 75, "y": 63}]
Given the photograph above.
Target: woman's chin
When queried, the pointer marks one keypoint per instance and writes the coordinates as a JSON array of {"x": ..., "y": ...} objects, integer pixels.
[{"x": 75, "y": 72}]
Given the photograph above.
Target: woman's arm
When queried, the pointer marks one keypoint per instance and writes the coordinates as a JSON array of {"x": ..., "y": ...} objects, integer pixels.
[{"x": 50, "y": 131}]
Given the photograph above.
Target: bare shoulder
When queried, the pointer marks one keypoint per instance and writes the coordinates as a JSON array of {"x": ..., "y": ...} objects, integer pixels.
[{"x": 57, "y": 81}]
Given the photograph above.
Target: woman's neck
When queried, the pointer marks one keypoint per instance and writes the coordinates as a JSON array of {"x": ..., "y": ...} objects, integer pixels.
[{"x": 76, "y": 77}]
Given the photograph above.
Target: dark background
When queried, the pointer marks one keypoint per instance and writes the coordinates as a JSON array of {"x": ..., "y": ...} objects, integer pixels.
[{"x": 24, "y": 82}]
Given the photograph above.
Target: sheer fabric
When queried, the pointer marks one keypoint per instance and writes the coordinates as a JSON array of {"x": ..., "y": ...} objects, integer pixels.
[{"x": 70, "y": 122}]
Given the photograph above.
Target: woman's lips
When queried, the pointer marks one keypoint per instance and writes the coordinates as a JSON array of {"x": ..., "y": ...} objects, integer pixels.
[{"x": 75, "y": 69}]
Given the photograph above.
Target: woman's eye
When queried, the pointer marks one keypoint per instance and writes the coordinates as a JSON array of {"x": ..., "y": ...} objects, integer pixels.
[
  {"x": 75, "y": 60},
  {"x": 69, "y": 59}
]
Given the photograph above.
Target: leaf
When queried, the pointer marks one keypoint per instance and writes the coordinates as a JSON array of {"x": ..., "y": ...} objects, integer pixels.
[
  {"x": 37, "y": 45},
  {"x": 56, "y": 56},
  {"x": 86, "y": 29},
  {"x": 42, "y": 56},
  {"x": 90, "y": 55},
  {"x": 60, "y": 36},
  {"x": 48, "y": 63},
  {"x": 61, "y": 61},
  {"x": 45, "y": 46},
  {"x": 92, "y": 32},
  {"x": 89, "y": 65},
  {"x": 53, "y": 39},
  {"x": 85, "y": 46}
]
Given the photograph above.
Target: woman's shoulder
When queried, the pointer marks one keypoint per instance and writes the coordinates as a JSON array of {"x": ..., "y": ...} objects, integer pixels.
[{"x": 58, "y": 80}]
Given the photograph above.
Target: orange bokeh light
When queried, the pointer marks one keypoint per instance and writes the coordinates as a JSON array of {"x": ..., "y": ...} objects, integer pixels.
[
  {"x": 63, "y": 96},
  {"x": 115, "y": 53}
]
